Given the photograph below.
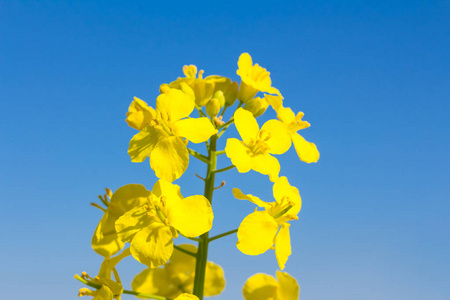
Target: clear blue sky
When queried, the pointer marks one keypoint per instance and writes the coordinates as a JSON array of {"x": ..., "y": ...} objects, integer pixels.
[{"x": 373, "y": 78}]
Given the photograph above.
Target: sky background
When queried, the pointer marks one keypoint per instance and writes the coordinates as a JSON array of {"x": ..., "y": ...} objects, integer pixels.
[{"x": 373, "y": 78}]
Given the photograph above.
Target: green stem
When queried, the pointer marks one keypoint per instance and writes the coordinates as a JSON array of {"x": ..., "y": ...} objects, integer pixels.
[
  {"x": 220, "y": 152},
  {"x": 202, "y": 252},
  {"x": 198, "y": 156},
  {"x": 222, "y": 235},
  {"x": 185, "y": 251},
  {"x": 225, "y": 169}
]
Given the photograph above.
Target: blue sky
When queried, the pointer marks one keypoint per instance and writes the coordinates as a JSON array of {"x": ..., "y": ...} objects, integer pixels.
[{"x": 371, "y": 76}]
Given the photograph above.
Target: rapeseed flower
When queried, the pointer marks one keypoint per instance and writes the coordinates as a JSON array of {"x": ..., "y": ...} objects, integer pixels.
[
  {"x": 265, "y": 287},
  {"x": 255, "y": 149},
  {"x": 254, "y": 79},
  {"x": 292, "y": 123},
  {"x": 162, "y": 131},
  {"x": 150, "y": 228},
  {"x": 105, "y": 240},
  {"x": 261, "y": 230}
]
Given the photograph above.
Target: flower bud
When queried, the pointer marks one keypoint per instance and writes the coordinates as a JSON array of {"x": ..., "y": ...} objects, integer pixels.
[
  {"x": 221, "y": 97},
  {"x": 257, "y": 106},
  {"x": 213, "y": 107}
]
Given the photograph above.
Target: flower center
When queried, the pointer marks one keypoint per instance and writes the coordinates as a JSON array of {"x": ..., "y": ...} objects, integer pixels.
[
  {"x": 259, "y": 144},
  {"x": 279, "y": 209},
  {"x": 156, "y": 208}
]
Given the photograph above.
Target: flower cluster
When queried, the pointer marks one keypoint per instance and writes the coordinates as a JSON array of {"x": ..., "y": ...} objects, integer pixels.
[{"x": 194, "y": 109}]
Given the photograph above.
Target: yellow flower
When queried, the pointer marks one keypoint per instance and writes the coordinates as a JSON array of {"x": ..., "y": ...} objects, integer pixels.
[
  {"x": 150, "y": 228},
  {"x": 109, "y": 289},
  {"x": 292, "y": 123},
  {"x": 203, "y": 89},
  {"x": 260, "y": 230},
  {"x": 105, "y": 240},
  {"x": 265, "y": 287},
  {"x": 254, "y": 79},
  {"x": 253, "y": 152},
  {"x": 162, "y": 130},
  {"x": 177, "y": 277}
]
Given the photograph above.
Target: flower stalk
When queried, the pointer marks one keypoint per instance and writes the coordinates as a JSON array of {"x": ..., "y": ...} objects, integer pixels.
[{"x": 202, "y": 253}]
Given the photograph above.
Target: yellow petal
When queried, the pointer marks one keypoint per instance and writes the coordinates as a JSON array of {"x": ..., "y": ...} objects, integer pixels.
[
  {"x": 126, "y": 198},
  {"x": 266, "y": 164},
  {"x": 104, "y": 293},
  {"x": 153, "y": 245},
  {"x": 185, "y": 296},
  {"x": 214, "y": 280},
  {"x": 256, "y": 233},
  {"x": 306, "y": 151},
  {"x": 280, "y": 139},
  {"x": 275, "y": 101},
  {"x": 143, "y": 143},
  {"x": 282, "y": 188},
  {"x": 105, "y": 240},
  {"x": 139, "y": 114},
  {"x": 182, "y": 264},
  {"x": 246, "y": 125},
  {"x": 130, "y": 223},
  {"x": 289, "y": 288},
  {"x": 170, "y": 158},
  {"x": 283, "y": 245},
  {"x": 239, "y": 155},
  {"x": 241, "y": 196},
  {"x": 260, "y": 287},
  {"x": 175, "y": 103},
  {"x": 167, "y": 189},
  {"x": 196, "y": 130},
  {"x": 286, "y": 115},
  {"x": 244, "y": 63},
  {"x": 272, "y": 90},
  {"x": 192, "y": 216},
  {"x": 155, "y": 282}
]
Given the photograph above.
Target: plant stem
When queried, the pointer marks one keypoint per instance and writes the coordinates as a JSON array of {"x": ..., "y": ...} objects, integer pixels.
[
  {"x": 225, "y": 169},
  {"x": 202, "y": 252},
  {"x": 185, "y": 251},
  {"x": 222, "y": 235}
]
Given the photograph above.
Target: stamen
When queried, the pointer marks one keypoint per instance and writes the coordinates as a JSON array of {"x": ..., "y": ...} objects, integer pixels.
[{"x": 163, "y": 200}]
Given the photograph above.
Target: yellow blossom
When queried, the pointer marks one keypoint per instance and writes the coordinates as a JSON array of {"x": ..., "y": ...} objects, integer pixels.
[
  {"x": 292, "y": 123},
  {"x": 105, "y": 240},
  {"x": 177, "y": 276},
  {"x": 260, "y": 230},
  {"x": 255, "y": 149},
  {"x": 265, "y": 287},
  {"x": 254, "y": 79},
  {"x": 203, "y": 89},
  {"x": 162, "y": 130},
  {"x": 151, "y": 227}
]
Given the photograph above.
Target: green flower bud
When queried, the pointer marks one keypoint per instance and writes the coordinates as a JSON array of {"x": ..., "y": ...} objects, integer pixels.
[
  {"x": 221, "y": 97},
  {"x": 213, "y": 107},
  {"x": 257, "y": 106}
]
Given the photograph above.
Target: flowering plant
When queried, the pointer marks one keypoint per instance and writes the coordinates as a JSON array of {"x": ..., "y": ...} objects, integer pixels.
[{"x": 150, "y": 220}]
